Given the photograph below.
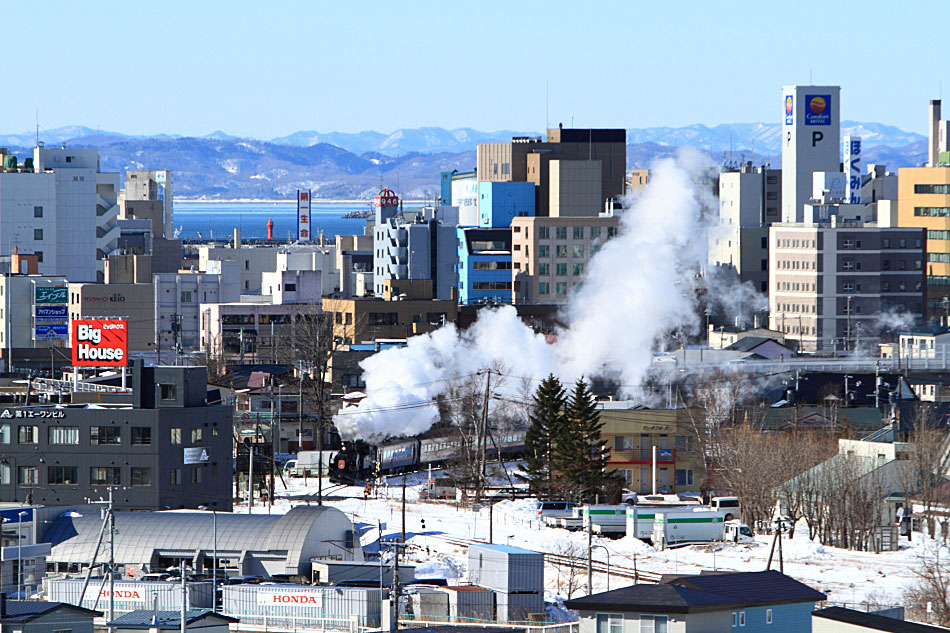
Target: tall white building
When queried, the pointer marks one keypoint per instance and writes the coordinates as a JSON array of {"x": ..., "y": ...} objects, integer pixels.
[
  {"x": 63, "y": 209},
  {"x": 153, "y": 185},
  {"x": 811, "y": 141}
]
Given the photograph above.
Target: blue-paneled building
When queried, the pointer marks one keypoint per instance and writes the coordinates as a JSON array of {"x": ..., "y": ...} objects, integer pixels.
[
  {"x": 499, "y": 202},
  {"x": 484, "y": 265}
]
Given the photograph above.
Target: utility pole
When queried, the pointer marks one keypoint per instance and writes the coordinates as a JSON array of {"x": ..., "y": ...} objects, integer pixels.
[
  {"x": 403, "y": 509},
  {"x": 590, "y": 547},
  {"x": 481, "y": 441},
  {"x": 250, "y": 477},
  {"x": 273, "y": 437},
  {"x": 111, "y": 562},
  {"x": 184, "y": 597}
]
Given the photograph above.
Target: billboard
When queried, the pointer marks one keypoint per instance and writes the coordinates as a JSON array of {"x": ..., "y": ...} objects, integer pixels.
[
  {"x": 304, "y": 230},
  {"x": 818, "y": 109},
  {"x": 50, "y": 294},
  {"x": 290, "y": 598},
  {"x": 51, "y": 314},
  {"x": 100, "y": 343},
  {"x": 789, "y": 110},
  {"x": 852, "y": 165}
]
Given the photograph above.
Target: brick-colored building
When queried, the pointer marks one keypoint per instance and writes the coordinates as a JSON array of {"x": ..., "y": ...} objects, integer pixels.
[
  {"x": 366, "y": 319},
  {"x": 631, "y": 434},
  {"x": 549, "y": 254}
]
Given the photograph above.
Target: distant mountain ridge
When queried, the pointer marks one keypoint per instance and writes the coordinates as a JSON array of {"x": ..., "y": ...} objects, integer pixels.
[{"x": 343, "y": 165}]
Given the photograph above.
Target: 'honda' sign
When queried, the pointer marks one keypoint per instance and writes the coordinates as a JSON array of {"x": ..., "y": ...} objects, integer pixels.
[{"x": 290, "y": 598}]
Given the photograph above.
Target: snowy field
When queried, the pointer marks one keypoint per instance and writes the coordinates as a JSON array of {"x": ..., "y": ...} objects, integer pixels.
[{"x": 846, "y": 576}]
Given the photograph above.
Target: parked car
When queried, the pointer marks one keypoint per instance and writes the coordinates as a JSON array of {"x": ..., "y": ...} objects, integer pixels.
[
  {"x": 555, "y": 509},
  {"x": 155, "y": 577}
]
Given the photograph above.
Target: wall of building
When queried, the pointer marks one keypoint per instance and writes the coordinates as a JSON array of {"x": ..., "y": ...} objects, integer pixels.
[
  {"x": 357, "y": 320},
  {"x": 133, "y": 302},
  {"x": 811, "y": 133},
  {"x": 484, "y": 268},
  {"x": 924, "y": 201},
  {"x": 498, "y": 202}
]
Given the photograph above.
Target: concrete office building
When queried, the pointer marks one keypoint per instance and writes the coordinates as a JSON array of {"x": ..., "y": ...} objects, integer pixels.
[
  {"x": 549, "y": 255},
  {"x": 154, "y": 186},
  {"x": 500, "y": 202},
  {"x": 292, "y": 286},
  {"x": 354, "y": 262},
  {"x": 250, "y": 331},
  {"x": 322, "y": 259},
  {"x": 134, "y": 303},
  {"x": 62, "y": 208},
  {"x": 165, "y": 448},
  {"x": 749, "y": 200},
  {"x": 567, "y": 189},
  {"x": 829, "y": 283},
  {"x": 368, "y": 319},
  {"x": 811, "y": 141},
  {"x": 177, "y": 299},
  {"x": 21, "y": 325},
  {"x": 407, "y": 253},
  {"x": 484, "y": 268},
  {"x": 465, "y": 197}
]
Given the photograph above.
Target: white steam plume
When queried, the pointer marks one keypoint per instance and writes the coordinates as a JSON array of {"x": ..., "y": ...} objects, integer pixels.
[{"x": 637, "y": 289}]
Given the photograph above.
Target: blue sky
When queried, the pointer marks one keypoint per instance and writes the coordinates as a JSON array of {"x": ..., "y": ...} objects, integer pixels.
[{"x": 266, "y": 69}]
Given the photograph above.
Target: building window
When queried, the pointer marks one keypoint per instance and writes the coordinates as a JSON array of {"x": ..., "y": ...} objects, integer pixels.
[
  {"x": 578, "y": 232},
  {"x": 102, "y": 435},
  {"x": 28, "y": 476},
  {"x": 39, "y": 256},
  {"x": 38, "y": 235},
  {"x": 544, "y": 232},
  {"x": 176, "y": 435},
  {"x": 654, "y": 623},
  {"x": 683, "y": 443},
  {"x": 4, "y": 474},
  {"x": 175, "y": 479},
  {"x": 195, "y": 435},
  {"x": 578, "y": 250},
  {"x": 62, "y": 475},
  {"x": 28, "y": 434},
  {"x": 684, "y": 477},
  {"x": 735, "y": 619},
  {"x": 169, "y": 391},
  {"x": 141, "y": 476},
  {"x": 561, "y": 250},
  {"x": 578, "y": 269},
  {"x": 105, "y": 476},
  {"x": 560, "y": 269},
  {"x": 186, "y": 296},
  {"x": 544, "y": 288},
  {"x": 768, "y": 616},
  {"x": 560, "y": 232},
  {"x": 37, "y": 212},
  {"x": 544, "y": 269},
  {"x": 561, "y": 287},
  {"x": 611, "y": 231},
  {"x": 609, "y": 623},
  {"x": 544, "y": 250},
  {"x": 742, "y": 618},
  {"x": 141, "y": 436},
  {"x": 196, "y": 474},
  {"x": 63, "y": 434}
]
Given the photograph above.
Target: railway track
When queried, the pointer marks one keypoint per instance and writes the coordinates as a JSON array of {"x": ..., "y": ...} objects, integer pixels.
[{"x": 599, "y": 567}]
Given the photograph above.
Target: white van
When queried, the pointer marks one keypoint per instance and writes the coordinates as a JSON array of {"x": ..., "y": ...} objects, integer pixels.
[{"x": 729, "y": 506}]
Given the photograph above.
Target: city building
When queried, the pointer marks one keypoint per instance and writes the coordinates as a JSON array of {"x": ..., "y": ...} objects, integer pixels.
[
  {"x": 178, "y": 298},
  {"x": 752, "y": 602},
  {"x": 924, "y": 201},
  {"x": 638, "y": 179},
  {"x": 549, "y": 254},
  {"x": 247, "y": 544},
  {"x": 248, "y": 331},
  {"x": 465, "y": 197},
  {"x": 422, "y": 250},
  {"x": 163, "y": 447},
  {"x": 354, "y": 260},
  {"x": 368, "y": 319},
  {"x": 23, "y": 562},
  {"x": 134, "y": 303},
  {"x": 631, "y": 433},
  {"x": 155, "y": 186},
  {"x": 293, "y": 286},
  {"x": 33, "y": 314},
  {"x": 811, "y": 141},
  {"x": 59, "y": 206},
  {"x": 830, "y": 282},
  {"x": 500, "y": 202},
  {"x": 484, "y": 268},
  {"x": 750, "y": 198}
]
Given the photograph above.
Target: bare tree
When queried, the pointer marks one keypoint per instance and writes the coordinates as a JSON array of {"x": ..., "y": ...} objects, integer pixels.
[
  {"x": 572, "y": 568},
  {"x": 928, "y": 599},
  {"x": 928, "y": 458}
]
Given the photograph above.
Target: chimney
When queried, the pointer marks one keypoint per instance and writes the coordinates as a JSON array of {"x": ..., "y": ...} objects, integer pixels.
[
  {"x": 237, "y": 237},
  {"x": 933, "y": 133}
]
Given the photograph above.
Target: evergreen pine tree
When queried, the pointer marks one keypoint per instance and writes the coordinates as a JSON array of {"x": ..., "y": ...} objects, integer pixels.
[
  {"x": 546, "y": 419},
  {"x": 585, "y": 454}
]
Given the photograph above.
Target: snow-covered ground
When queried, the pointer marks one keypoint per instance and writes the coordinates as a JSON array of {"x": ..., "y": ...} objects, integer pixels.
[{"x": 846, "y": 576}]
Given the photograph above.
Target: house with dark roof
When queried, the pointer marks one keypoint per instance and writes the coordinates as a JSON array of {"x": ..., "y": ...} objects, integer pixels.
[
  {"x": 762, "y": 346},
  {"x": 195, "y": 620},
  {"x": 27, "y": 616},
  {"x": 750, "y": 602},
  {"x": 841, "y": 620}
]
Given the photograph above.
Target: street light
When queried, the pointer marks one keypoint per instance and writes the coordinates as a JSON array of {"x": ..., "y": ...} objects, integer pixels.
[
  {"x": 214, "y": 567},
  {"x": 607, "y": 551}
]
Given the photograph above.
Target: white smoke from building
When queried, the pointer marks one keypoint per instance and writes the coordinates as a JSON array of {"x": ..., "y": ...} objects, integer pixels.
[{"x": 638, "y": 288}]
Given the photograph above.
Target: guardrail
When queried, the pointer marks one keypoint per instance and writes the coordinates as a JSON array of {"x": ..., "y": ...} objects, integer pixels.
[{"x": 66, "y": 385}]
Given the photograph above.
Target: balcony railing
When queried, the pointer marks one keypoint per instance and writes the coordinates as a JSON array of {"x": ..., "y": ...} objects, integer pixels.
[{"x": 643, "y": 456}]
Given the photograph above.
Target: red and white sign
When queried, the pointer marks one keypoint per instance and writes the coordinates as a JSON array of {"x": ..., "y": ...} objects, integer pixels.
[
  {"x": 304, "y": 231},
  {"x": 100, "y": 343},
  {"x": 290, "y": 598},
  {"x": 128, "y": 595}
]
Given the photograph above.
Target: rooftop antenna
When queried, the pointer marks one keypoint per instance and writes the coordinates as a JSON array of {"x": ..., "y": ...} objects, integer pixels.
[
  {"x": 547, "y": 106},
  {"x": 37, "y": 126}
]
